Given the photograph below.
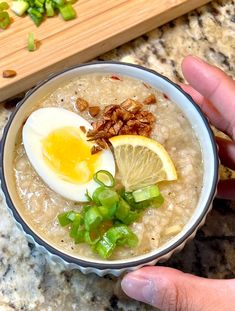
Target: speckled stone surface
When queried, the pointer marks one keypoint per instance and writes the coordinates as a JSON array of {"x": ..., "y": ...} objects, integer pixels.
[{"x": 29, "y": 281}]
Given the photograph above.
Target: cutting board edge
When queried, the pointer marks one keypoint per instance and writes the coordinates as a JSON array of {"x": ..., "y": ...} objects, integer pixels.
[{"x": 16, "y": 87}]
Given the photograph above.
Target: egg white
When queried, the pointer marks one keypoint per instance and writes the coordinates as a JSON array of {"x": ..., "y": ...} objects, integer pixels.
[{"x": 38, "y": 126}]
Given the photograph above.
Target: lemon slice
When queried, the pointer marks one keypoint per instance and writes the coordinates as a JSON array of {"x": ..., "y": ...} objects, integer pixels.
[{"x": 141, "y": 161}]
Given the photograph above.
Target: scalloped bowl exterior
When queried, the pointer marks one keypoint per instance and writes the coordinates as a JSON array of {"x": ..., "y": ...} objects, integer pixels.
[{"x": 193, "y": 114}]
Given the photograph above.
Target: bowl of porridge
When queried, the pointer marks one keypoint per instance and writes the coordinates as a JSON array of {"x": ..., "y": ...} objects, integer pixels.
[{"x": 108, "y": 167}]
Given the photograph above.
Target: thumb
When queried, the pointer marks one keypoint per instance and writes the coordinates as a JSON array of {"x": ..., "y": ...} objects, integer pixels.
[{"x": 171, "y": 290}]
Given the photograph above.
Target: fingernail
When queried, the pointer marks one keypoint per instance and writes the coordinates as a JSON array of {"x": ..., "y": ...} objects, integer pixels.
[
  {"x": 198, "y": 59},
  {"x": 139, "y": 288}
]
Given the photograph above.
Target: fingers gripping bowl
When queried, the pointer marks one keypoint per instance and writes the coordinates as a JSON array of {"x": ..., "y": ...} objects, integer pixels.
[{"x": 127, "y": 140}]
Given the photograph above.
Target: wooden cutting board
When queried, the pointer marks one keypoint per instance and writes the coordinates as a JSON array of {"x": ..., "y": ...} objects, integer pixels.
[{"x": 100, "y": 26}]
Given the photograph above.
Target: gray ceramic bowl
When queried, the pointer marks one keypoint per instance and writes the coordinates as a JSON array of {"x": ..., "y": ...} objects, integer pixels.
[{"x": 181, "y": 99}]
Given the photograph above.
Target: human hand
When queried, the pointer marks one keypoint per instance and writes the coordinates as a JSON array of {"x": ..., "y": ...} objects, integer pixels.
[
  {"x": 214, "y": 92},
  {"x": 169, "y": 289}
]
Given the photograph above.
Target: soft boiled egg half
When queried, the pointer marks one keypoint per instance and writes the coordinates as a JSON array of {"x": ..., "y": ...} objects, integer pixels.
[{"x": 60, "y": 153}]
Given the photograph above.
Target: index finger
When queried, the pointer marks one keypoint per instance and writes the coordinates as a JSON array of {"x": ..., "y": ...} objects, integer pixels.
[
  {"x": 216, "y": 118},
  {"x": 214, "y": 85}
]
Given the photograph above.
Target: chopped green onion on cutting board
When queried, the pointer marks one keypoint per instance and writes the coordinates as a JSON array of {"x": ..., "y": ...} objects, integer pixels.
[
  {"x": 38, "y": 10},
  {"x": 31, "y": 42},
  {"x": 4, "y": 16}
]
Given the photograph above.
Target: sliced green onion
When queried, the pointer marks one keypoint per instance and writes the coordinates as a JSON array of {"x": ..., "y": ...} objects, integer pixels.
[
  {"x": 105, "y": 225},
  {"x": 67, "y": 12},
  {"x": 92, "y": 218},
  {"x": 158, "y": 201},
  {"x": 4, "y": 6},
  {"x": 59, "y": 2},
  {"x": 89, "y": 198},
  {"x": 19, "y": 7},
  {"x": 80, "y": 237},
  {"x": 39, "y": 3},
  {"x": 31, "y": 42},
  {"x": 131, "y": 217},
  {"x": 127, "y": 196},
  {"x": 85, "y": 209},
  {"x": 105, "y": 247},
  {"x": 120, "y": 235},
  {"x": 89, "y": 239},
  {"x": 71, "y": 215},
  {"x": 107, "y": 212},
  {"x": 38, "y": 9},
  {"x": 50, "y": 12},
  {"x": 104, "y": 211},
  {"x": 132, "y": 240},
  {"x": 66, "y": 218},
  {"x": 123, "y": 209},
  {"x": 108, "y": 198},
  {"x": 30, "y": 2},
  {"x": 41, "y": 10},
  {"x": 116, "y": 233},
  {"x": 34, "y": 12},
  {"x": 104, "y": 178},
  {"x": 96, "y": 194},
  {"x": 4, "y": 20},
  {"x": 75, "y": 226},
  {"x": 146, "y": 193},
  {"x": 36, "y": 16},
  {"x": 37, "y": 21},
  {"x": 123, "y": 236}
]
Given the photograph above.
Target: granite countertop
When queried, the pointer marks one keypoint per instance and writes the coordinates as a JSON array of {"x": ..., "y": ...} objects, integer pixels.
[{"x": 30, "y": 281}]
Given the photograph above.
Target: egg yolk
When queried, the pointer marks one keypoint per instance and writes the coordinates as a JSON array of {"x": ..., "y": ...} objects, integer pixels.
[{"x": 68, "y": 153}]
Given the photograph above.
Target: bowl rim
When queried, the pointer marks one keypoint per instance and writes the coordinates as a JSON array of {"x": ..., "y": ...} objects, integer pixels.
[{"x": 109, "y": 264}]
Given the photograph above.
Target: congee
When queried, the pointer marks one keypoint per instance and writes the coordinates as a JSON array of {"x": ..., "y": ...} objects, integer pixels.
[{"x": 107, "y": 167}]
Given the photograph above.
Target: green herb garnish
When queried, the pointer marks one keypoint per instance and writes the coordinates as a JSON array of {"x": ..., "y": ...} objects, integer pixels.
[
  {"x": 103, "y": 224},
  {"x": 4, "y": 6},
  {"x": 104, "y": 178},
  {"x": 39, "y": 9},
  {"x": 19, "y": 7},
  {"x": 146, "y": 193},
  {"x": 4, "y": 16},
  {"x": 31, "y": 42}
]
